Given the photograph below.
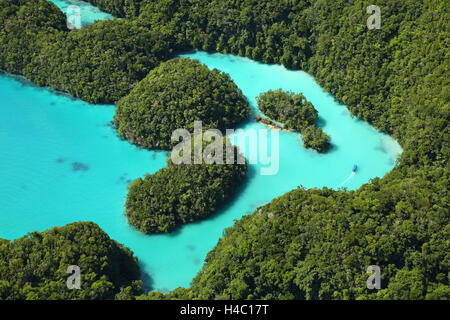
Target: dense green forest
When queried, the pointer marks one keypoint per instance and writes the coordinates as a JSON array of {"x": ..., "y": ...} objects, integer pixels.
[
  {"x": 315, "y": 138},
  {"x": 118, "y": 8},
  {"x": 34, "y": 267},
  {"x": 328, "y": 239},
  {"x": 99, "y": 63},
  {"x": 24, "y": 29},
  {"x": 183, "y": 193},
  {"x": 315, "y": 244},
  {"x": 173, "y": 96},
  {"x": 295, "y": 112}
]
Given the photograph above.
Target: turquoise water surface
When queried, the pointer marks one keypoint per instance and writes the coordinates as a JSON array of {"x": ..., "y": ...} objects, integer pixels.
[
  {"x": 88, "y": 13},
  {"x": 63, "y": 162}
]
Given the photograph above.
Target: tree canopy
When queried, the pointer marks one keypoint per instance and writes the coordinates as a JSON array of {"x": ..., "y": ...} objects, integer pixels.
[
  {"x": 316, "y": 244},
  {"x": 295, "y": 112},
  {"x": 99, "y": 63},
  {"x": 173, "y": 96},
  {"x": 186, "y": 192},
  {"x": 35, "y": 266}
]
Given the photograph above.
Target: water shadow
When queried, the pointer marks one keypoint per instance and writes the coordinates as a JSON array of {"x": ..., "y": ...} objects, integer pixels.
[
  {"x": 147, "y": 280},
  {"x": 222, "y": 208},
  {"x": 78, "y": 166}
]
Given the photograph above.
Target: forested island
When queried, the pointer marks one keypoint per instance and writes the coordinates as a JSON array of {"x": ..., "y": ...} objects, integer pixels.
[
  {"x": 35, "y": 266},
  {"x": 295, "y": 112},
  {"x": 183, "y": 193},
  {"x": 173, "y": 96},
  {"x": 315, "y": 244},
  {"x": 99, "y": 63}
]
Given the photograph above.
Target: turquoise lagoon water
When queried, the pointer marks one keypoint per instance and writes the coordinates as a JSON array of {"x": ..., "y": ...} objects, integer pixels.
[
  {"x": 88, "y": 13},
  {"x": 62, "y": 162}
]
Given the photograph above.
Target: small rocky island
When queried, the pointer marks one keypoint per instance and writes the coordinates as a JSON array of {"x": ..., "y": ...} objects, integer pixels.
[
  {"x": 294, "y": 112},
  {"x": 182, "y": 193},
  {"x": 173, "y": 96}
]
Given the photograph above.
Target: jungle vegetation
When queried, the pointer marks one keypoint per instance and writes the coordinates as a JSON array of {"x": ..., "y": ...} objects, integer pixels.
[
  {"x": 173, "y": 96},
  {"x": 186, "y": 192},
  {"x": 35, "y": 266},
  {"x": 99, "y": 63},
  {"x": 295, "y": 112},
  {"x": 315, "y": 244}
]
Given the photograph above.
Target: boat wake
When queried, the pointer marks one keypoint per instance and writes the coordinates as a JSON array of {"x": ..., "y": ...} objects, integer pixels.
[{"x": 347, "y": 180}]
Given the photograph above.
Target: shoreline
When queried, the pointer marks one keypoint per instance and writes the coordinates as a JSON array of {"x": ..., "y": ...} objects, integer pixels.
[{"x": 272, "y": 126}]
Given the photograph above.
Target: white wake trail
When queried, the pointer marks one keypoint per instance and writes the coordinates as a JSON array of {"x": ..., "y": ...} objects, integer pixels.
[{"x": 346, "y": 180}]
